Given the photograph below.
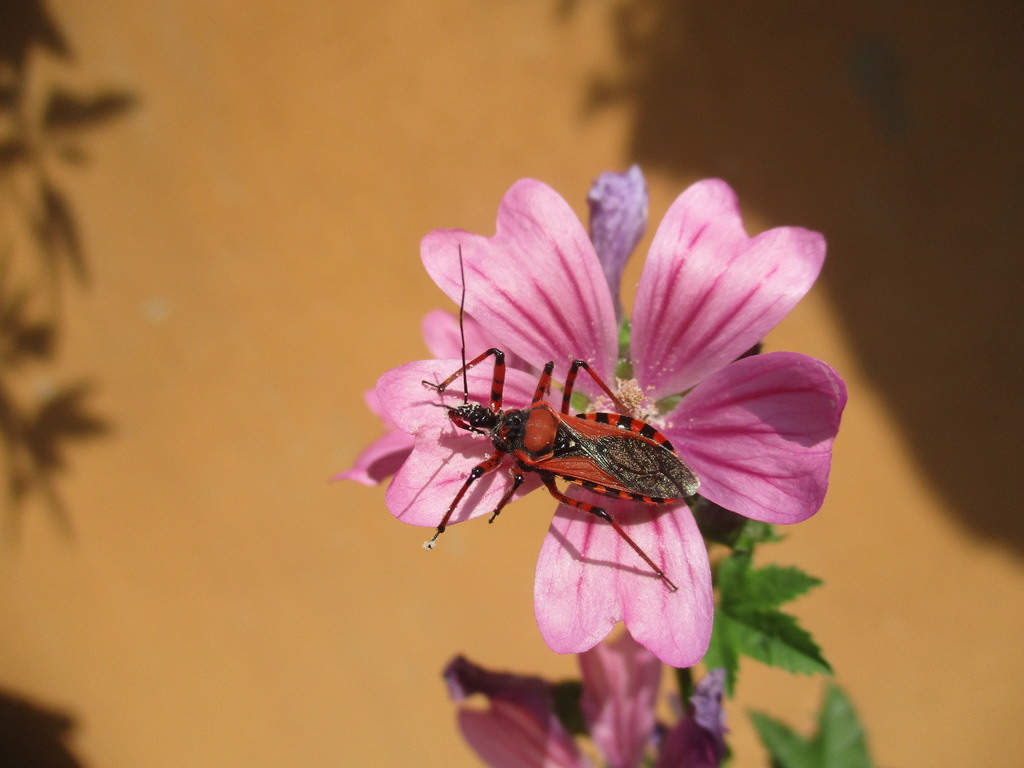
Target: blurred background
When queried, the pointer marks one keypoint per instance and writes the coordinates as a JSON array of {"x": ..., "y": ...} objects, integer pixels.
[{"x": 210, "y": 215}]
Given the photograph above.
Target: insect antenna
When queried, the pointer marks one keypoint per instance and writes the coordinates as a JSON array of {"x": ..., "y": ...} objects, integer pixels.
[{"x": 462, "y": 330}]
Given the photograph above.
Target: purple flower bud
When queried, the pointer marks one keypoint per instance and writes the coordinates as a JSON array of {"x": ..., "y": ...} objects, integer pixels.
[
  {"x": 698, "y": 739},
  {"x": 707, "y": 705},
  {"x": 618, "y": 219},
  {"x": 464, "y": 678}
]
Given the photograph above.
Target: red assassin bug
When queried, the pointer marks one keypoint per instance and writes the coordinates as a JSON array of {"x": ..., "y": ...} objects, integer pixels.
[{"x": 608, "y": 453}]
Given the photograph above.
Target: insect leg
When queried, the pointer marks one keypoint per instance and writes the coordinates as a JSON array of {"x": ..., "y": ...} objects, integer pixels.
[
  {"x": 517, "y": 480},
  {"x": 570, "y": 382},
  {"x": 497, "y": 383},
  {"x": 601, "y": 513},
  {"x": 544, "y": 383},
  {"x": 481, "y": 469}
]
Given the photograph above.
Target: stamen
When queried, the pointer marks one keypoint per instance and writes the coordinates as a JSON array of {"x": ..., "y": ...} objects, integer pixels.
[{"x": 631, "y": 394}]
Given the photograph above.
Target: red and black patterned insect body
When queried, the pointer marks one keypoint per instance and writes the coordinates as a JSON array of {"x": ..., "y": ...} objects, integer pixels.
[{"x": 608, "y": 453}]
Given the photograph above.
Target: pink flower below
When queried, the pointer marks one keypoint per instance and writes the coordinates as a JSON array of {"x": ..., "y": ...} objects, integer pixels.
[{"x": 621, "y": 679}]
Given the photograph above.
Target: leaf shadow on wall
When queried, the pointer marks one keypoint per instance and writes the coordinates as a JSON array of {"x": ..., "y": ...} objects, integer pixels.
[
  {"x": 895, "y": 130},
  {"x": 32, "y": 736},
  {"x": 43, "y": 126}
]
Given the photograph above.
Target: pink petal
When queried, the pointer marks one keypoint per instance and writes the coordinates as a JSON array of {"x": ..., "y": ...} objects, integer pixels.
[
  {"x": 759, "y": 432},
  {"x": 374, "y": 403},
  {"x": 441, "y": 333},
  {"x": 381, "y": 460},
  {"x": 537, "y": 284},
  {"x": 588, "y": 579},
  {"x": 511, "y": 736},
  {"x": 708, "y": 292},
  {"x": 620, "y": 686}
]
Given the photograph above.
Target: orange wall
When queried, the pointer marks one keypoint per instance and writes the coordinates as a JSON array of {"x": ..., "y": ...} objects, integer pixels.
[{"x": 251, "y": 225}]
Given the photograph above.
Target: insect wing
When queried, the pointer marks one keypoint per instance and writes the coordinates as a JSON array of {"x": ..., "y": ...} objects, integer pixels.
[{"x": 610, "y": 454}]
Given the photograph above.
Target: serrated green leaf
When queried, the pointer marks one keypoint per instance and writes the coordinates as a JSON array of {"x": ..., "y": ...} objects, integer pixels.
[
  {"x": 766, "y": 587},
  {"x": 774, "y": 638},
  {"x": 787, "y": 748},
  {"x": 731, "y": 575},
  {"x": 747, "y": 620},
  {"x": 769, "y": 587},
  {"x": 722, "y": 653},
  {"x": 843, "y": 743},
  {"x": 838, "y": 743}
]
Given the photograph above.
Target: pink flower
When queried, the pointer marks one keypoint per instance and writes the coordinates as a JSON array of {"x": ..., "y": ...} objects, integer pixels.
[
  {"x": 757, "y": 431},
  {"x": 620, "y": 688},
  {"x": 520, "y": 729}
]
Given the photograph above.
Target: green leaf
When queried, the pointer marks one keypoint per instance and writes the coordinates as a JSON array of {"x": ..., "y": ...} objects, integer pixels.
[
  {"x": 787, "y": 748},
  {"x": 748, "y": 622},
  {"x": 774, "y": 638},
  {"x": 839, "y": 742},
  {"x": 731, "y": 577},
  {"x": 771, "y": 586},
  {"x": 722, "y": 653},
  {"x": 843, "y": 743}
]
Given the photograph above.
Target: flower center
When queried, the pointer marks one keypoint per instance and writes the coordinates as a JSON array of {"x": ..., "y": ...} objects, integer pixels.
[{"x": 638, "y": 404}]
